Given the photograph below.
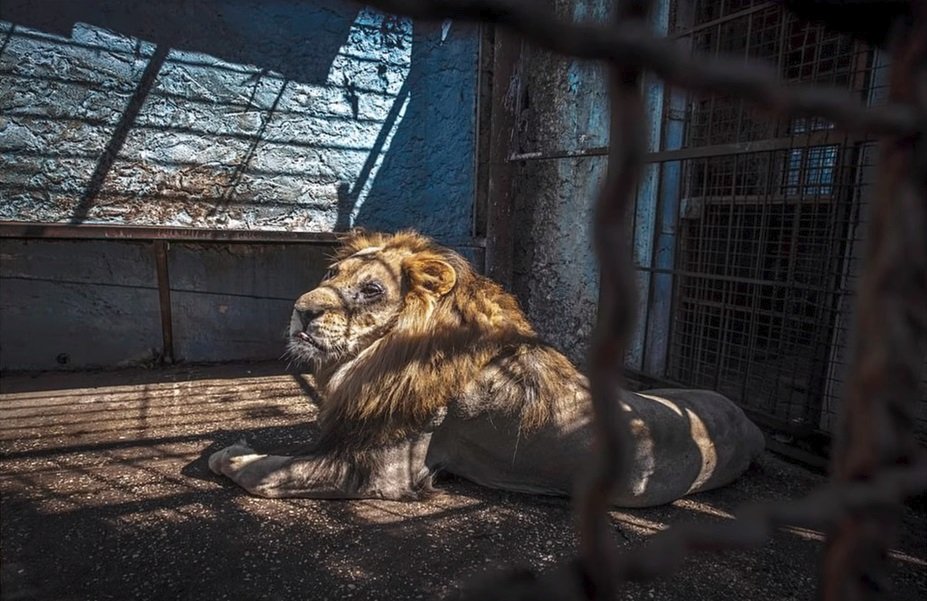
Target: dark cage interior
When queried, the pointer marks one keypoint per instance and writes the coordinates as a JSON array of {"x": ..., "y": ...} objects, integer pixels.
[{"x": 770, "y": 217}]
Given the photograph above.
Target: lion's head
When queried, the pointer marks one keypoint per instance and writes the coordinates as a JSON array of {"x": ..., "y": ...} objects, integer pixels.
[
  {"x": 375, "y": 284},
  {"x": 398, "y": 326}
]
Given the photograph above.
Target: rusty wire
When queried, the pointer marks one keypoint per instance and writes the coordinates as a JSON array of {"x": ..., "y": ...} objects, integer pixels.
[
  {"x": 877, "y": 462},
  {"x": 635, "y": 46},
  {"x": 615, "y": 316},
  {"x": 877, "y": 413}
]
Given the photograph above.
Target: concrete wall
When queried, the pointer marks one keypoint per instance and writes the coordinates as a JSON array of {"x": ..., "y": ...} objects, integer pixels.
[
  {"x": 564, "y": 108},
  {"x": 563, "y": 105},
  {"x": 312, "y": 115},
  {"x": 67, "y": 304},
  {"x": 233, "y": 301},
  {"x": 74, "y": 304}
]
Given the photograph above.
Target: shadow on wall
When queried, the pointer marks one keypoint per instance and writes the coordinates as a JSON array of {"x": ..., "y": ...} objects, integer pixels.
[
  {"x": 276, "y": 115},
  {"x": 271, "y": 35},
  {"x": 427, "y": 179},
  {"x": 311, "y": 115}
]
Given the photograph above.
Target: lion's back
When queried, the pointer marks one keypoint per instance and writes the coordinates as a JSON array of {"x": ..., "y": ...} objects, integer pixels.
[
  {"x": 522, "y": 424},
  {"x": 525, "y": 425}
]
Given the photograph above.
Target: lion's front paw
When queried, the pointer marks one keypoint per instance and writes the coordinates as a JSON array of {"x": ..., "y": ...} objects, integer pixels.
[{"x": 223, "y": 458}]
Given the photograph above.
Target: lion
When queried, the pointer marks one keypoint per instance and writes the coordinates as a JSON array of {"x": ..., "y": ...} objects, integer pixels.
[{"x": 424, "y": 366}]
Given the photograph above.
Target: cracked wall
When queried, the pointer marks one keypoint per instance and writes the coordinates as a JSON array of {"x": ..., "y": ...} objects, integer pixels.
[{"x": 562, "y": 106}]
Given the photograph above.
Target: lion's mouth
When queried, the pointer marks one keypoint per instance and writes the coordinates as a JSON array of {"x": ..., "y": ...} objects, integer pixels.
[{"x": 307, "y": 339}]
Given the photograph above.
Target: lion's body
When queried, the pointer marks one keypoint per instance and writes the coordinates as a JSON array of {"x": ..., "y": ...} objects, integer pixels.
[{"x": 424, "y": 366}]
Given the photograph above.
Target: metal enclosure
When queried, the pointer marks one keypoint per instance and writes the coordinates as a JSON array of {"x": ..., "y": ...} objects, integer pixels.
[
  {"x": 758, "y": 223},
  {"x": 747, "y": 232},
  {"x": 755, "y": 219}
]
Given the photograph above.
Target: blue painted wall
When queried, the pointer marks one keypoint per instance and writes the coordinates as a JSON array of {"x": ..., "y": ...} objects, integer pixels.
[{"x": 310, "y": 115}]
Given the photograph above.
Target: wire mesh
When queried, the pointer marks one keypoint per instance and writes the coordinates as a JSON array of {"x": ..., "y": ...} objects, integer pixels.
[
  {"x": 769, "y": 241},
  {"x": 760, "y": 264}
]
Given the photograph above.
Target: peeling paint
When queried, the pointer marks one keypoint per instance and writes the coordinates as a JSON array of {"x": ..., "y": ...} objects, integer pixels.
[{"x": 564, "y": 107}]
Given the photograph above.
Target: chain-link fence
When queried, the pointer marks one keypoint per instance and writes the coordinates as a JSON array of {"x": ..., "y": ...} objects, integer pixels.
[{"x": 877, "y": 462}]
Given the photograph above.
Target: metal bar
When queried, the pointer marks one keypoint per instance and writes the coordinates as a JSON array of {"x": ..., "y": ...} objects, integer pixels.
[
  {"x": 757, "y": 199},
  {"x": 786, "y": 332},
  {"x": 817, "y": 138},
  {"x": 663, "y": 250},
  {"x": 670, "y": 260},
  {"x": 646, "y": 210},
  {"x": 506, "y": 83},
  {"x": 597, "y": 151},
  {"x": 721, "y": 305},
  {"x": 724, "y": 323},
  {"x": 697, "y": 331},
  {"x": 164, "y": 301},
  {"x": 826, "y": 335},
  {"x": 483, "y": 120},
  {"x": 756, "y": 270},
  {"x": 731, "y": 278},
  {"x": 56, "y": 231},
  {"x": 876, "y": 429}
]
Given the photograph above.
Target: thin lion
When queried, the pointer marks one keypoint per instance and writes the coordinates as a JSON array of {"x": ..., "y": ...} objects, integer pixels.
[{"x": 425, "y": 366}]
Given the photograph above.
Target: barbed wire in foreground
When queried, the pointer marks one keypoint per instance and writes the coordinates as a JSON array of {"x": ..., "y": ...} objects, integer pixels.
[
  {"x": 875, "y": 429},
  {"x": 614, "y": 449}
]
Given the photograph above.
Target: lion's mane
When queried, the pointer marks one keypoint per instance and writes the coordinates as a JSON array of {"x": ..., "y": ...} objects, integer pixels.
[{"x": 437, "y": 346}]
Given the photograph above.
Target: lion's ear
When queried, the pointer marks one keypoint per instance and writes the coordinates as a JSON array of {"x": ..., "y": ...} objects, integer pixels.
[{"x": 430, "y": 273}]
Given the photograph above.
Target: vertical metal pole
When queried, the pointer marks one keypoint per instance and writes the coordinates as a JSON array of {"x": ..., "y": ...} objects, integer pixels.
[
  {"x": 164, "y": 299},
  {"x": 485, "y": 61},
  {"x": 504, "y": 106}
]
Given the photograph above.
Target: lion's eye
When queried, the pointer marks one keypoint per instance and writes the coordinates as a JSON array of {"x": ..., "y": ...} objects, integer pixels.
[
  {"x": 372, "y": 289},
  {"x": 332, "y": 272}
]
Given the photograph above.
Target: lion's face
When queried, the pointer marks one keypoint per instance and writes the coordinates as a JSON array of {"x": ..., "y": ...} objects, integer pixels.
[{"x": 356, "y": 303}]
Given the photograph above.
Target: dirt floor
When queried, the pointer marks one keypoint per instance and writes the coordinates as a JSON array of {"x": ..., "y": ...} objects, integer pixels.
[{"x": 106, "y": 495}]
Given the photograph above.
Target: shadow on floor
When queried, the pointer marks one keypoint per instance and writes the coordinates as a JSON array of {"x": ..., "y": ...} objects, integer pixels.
[{"x": 106, "y": 495}]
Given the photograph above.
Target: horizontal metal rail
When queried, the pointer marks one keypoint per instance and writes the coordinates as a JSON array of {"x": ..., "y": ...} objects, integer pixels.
[
  {"x": 54, "y": 231},
  {"x": 820, "y": 138}
]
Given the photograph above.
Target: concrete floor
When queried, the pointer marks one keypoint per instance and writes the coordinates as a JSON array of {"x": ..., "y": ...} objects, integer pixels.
[{"x": 106, "y": 495}]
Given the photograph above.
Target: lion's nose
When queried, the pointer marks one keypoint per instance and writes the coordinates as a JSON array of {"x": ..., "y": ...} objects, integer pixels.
[{"x": 306, "y": 316}]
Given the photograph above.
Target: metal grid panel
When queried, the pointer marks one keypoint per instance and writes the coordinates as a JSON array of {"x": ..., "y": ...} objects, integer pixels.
[
  {"x": 762, "y": 238},
  {"x": 767, "y": 240},
  {"x": 802, "y": 52}
]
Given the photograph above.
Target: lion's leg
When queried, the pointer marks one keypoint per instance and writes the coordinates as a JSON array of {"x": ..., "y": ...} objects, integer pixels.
[
  {"x": 276, "y": 476},
  {"x": 394, "y": 473}
]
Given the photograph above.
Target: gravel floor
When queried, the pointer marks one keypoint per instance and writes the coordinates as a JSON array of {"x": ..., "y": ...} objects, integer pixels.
[{"x": 106, "y": 495}]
